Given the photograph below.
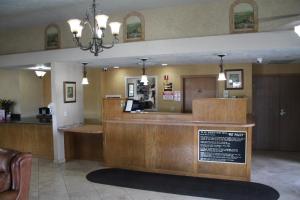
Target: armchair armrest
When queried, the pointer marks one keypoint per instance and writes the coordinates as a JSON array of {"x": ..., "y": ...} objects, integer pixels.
[{"x": 21, "y": 173}]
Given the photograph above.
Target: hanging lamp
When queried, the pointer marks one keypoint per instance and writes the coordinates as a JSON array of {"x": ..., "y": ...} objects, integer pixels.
[
  {"x": 144, "y": 77},
  {"x": 221, "y": 76},
  {"x": 85, "y": 80}
]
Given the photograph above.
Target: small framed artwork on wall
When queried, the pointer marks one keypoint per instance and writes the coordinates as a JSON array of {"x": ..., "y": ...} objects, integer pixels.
[
  {"x": 134, "y": 27},
  {"x": 52, "y": 37},
  {"x": 69, "y": 92},
  {"x": 234, "y": 79},
  {"x": 243, "y": 16}
]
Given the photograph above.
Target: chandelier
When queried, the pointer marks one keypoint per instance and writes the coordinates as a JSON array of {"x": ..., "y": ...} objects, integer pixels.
[{"x": 97, "y": 27}]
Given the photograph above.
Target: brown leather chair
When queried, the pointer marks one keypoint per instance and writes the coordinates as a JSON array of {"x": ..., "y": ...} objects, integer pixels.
[{"x": 15, "y": 172}]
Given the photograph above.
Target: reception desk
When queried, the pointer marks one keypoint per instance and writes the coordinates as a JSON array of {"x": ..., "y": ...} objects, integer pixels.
[{"x": 214, "y": 141}]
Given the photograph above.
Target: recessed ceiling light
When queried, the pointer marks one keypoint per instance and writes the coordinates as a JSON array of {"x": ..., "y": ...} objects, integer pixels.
[
  {"x": 164, "y": 64},
  {"x": 116, "y": 67},
  {"x": 39, "y": 67}
]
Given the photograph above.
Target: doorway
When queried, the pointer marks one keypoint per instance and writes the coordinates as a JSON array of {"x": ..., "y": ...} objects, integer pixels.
[
  {"x": 195, "y": 87},
  {"x": 276, "y": 110}
]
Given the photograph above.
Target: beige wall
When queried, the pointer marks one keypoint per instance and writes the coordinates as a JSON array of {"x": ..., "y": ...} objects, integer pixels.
[
  {"x": 113, "y": 82},
  {"x": 92, "y": 96},
  {"x": 194, "y": 20},
  {"x": 24, "y": 88},
  {"x": 47, "y": 89},
  {"x": 272, "y": 69}
]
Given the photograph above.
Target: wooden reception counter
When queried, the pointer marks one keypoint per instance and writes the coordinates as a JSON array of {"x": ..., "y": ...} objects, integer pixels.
[{"x": 214, "y": 141}]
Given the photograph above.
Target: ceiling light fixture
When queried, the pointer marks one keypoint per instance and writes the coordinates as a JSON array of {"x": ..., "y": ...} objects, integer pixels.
[
  {"x": 144, "y": 78},
  {"x": 40, "y": 74},
  {"x": 297, "y": 30},
  {"x": 97, "y": 27},
  {"x": 85, "y": 80},
  {"x": 221, "y": 76}
]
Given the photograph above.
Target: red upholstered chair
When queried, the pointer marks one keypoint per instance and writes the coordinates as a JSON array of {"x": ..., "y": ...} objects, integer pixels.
[{"x": 15, "y": 172}]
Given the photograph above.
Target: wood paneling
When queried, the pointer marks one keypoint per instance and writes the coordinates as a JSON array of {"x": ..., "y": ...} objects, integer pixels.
[
  {"x": 125, "y": 145},
  {"x": 112, "y": 108},
  {"x": 220, "y": 110},
  {"x": 83, "y": 146},
  {"x": 172, "y": 147},
  {"x": 276, "y": 129},
  {"x": 196, "y": 87},
  {"x": 266, "y": 112},
  {"x": 148, "y": 142},
  {"x": 289, "y": 119},
  {"x": 33, "y": 138}
]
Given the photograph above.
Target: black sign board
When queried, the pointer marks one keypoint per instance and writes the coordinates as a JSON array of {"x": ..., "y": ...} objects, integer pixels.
[{"x": 222, "y": 146}]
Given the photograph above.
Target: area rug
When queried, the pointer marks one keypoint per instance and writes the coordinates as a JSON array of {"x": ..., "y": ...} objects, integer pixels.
[{"x": 184, "y": 185}]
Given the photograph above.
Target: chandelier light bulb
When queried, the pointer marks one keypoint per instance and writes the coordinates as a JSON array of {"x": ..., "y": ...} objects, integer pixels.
[
  {"x": 102, "y": 21},
  {"x": 79, "y": 31},
  {"x": 115, "y": 28},
  {"x": 74, "y": 25},
  {"x": 297, "y": 30},
  {"x": 99, "y": 33}
]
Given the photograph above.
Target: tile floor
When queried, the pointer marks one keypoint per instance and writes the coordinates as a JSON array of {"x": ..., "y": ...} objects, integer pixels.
[{"x": 67, "y": 181}]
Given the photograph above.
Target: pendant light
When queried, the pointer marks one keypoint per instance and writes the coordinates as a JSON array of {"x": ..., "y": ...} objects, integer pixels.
[
  {"x": 144, "y": 78},
  {"x": 221, "y": 76},
  {"x": 85, "y": 80}
]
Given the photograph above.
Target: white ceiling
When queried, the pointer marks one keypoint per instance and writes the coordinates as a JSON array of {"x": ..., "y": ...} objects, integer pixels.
[
  {"x": 20, "y": 13},
  {"x": 273, "y": 47}
]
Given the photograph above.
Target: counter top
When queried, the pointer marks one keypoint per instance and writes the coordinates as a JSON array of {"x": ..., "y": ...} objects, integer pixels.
[
  {"x": 26, "y": 120},
  {"x": 83, "y": 128}
]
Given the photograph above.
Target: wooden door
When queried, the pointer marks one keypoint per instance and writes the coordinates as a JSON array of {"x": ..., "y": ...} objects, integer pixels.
[
  {"x": 289, "y": 113},
  {"x": 276, "y": 110},
  {"x": 197, "y": 87},
  {"x": 266, "y": 112}
]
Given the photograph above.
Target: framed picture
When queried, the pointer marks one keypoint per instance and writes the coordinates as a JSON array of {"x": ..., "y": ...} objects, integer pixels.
[
  {"x": 69, "y": 92},
  {"x": 52, "y": 37},
  {"x": 243, "y": 16},
  {"x": 130, "y": 90},
  {"x": 234, "y": 79},
  {"x": 134, "y": 27}
]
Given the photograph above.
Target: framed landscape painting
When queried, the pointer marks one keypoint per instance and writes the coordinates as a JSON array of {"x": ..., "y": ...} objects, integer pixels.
[
  {"x": 69, "y": 92},
  {"x": 234, "y": 79},
  {"x": 52, "y": 37},
  {"x": 134, "y": 27},
  {"x": 243, "y": 16}
]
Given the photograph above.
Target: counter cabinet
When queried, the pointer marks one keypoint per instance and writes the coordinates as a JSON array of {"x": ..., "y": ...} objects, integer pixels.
[
  {"x": 25, "y": 137},
  {"x": 168, "y": 143}
]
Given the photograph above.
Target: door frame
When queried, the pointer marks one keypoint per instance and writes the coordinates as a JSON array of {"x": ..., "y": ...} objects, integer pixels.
[{"x": 182, "y": 77}]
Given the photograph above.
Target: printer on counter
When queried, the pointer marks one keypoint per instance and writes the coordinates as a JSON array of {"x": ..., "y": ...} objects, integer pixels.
[{"x": 44, "y": 114}]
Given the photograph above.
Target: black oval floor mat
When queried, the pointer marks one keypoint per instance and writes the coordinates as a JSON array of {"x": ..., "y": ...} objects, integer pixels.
[{"x": 183, "y": 185}]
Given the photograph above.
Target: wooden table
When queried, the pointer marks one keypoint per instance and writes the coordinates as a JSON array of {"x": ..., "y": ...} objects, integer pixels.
[{"x": 83, "y": 142}]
